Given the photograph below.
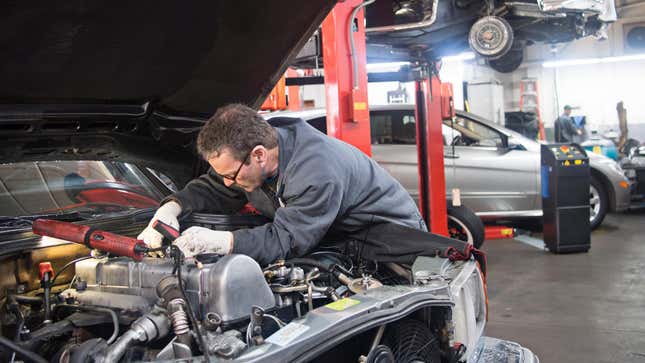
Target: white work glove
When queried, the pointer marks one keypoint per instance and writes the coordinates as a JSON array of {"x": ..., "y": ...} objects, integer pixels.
[
  {"x": 167, "y": 214},
  {"x": 199, "y": 240}
]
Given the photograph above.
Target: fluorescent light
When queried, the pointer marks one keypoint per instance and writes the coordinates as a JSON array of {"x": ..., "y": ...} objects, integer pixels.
[
  {"x": 459, "y": 57},
  {"x": 578, "y": 62},
  {"x": 385, "y": 67}
]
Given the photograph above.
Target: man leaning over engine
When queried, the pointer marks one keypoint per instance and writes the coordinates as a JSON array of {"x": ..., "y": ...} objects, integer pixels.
[{"x": 309, "y": 184}]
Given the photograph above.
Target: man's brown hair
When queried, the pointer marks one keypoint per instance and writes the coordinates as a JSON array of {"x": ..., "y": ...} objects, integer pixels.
[{"x": 237, "y": 127}]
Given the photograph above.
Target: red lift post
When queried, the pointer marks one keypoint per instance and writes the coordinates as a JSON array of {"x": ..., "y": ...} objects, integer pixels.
[
  {"x": 429, "y": 116},
  {"x": 348, "y": 113},
  {"x": 345, "y": 89}
]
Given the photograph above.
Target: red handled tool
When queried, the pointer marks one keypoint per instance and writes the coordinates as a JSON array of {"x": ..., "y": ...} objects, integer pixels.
[
  {"x": 92, "y": 238},
  {"x": 167, "y": 231}
]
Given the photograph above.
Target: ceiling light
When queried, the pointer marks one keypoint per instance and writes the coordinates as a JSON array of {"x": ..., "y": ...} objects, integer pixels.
[
  {"x": 385, "y": 67},
  {"x": 459, "y": 57},
  {"x": 578, "y": 62}
]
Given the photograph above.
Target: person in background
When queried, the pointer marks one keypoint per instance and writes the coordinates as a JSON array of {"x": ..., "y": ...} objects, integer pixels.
[{"x": 565, "y": 128}]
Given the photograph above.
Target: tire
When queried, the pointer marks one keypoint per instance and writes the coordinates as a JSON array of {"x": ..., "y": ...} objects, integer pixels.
[
  {"x": 491, "y": 37},
  {"x": 598, "y": 203},
  {"x": 412, "y": 341},
  {"x": 508, "y": 62},
  {"x": 464, "y": 225}
]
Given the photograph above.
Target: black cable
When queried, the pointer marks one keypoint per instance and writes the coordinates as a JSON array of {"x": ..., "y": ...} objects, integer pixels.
[
  {"x": 22, "y": 352},
  {"x": 67, "y": 265},
  {"x": 178, "y": 255}
]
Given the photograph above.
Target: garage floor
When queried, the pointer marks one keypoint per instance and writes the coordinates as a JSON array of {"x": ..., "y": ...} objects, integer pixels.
[{"x": 586, "y": 307}]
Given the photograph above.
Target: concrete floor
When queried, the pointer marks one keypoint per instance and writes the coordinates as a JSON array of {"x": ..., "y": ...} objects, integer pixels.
[{"x": 587, "y": 307}]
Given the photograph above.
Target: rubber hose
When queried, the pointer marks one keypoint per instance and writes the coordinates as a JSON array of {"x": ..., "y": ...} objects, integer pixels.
[{"x": 21, "y": 352}]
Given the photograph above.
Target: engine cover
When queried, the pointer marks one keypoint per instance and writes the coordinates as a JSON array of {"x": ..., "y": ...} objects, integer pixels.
[{"x": 228, "y": 287}]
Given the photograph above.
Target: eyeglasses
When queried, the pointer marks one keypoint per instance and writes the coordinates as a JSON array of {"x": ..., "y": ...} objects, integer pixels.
[{"x": 232, "y": 178}]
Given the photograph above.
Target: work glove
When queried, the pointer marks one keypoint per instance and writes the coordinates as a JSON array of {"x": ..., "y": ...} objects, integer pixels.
[
  {"x": 167, "y": 214},
  {"x": 200, "y": 240}
]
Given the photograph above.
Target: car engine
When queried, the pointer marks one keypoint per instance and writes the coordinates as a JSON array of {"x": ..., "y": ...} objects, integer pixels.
[{"x": 218, "y": 306}]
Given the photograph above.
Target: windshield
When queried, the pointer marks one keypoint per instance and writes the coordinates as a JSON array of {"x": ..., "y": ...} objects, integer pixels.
[{"x": 49, "y": 187}]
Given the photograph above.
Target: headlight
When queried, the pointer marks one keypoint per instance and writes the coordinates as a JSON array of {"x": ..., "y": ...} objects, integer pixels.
[{"x": 630, "y": 173}]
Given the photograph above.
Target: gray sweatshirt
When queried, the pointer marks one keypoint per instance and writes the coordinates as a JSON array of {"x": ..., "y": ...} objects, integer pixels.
[{"x": 324, "y": 187}]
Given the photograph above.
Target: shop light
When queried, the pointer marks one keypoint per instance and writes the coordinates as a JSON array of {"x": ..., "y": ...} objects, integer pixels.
[
  {"x": 385, "y": 67},
  {"x": 586, "y": 61},
  {"x": 459, "y": 57}
]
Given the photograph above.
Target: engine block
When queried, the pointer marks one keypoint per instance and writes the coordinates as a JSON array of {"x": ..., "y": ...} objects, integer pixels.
[{"x": 228, "y": 287}]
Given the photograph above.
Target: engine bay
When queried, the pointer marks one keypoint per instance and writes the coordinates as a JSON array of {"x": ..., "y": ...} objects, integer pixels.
[{"x": 118, "y": 309}]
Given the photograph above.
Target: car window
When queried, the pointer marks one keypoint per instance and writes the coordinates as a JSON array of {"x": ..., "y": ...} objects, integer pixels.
[
  {"x": 392, "y": 127},
  {"x": 319, "y": 123},
  {"x": 473, "y": 133},
  {"x": 42, "y": 187}
]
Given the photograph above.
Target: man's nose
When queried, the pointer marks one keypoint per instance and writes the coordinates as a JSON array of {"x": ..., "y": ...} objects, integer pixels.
[{"x": 228, "y": 182}]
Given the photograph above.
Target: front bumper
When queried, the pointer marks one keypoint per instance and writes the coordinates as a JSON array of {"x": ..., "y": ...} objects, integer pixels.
[{"x": 493, "y": 350}]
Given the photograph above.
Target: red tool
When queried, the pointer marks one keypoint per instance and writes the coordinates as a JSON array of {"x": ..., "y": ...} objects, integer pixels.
[{"x": 92, "y": 238}]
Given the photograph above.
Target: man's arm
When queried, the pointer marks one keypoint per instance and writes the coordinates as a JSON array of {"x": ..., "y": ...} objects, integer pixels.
[
  {"x": 208, "y": 194},
  {"x": 297, "y": 228}
]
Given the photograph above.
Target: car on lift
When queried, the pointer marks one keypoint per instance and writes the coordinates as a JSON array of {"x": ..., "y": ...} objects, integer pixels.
[
  {"x": 496, "y": 170},
  {"x": 496, "y": 30},
  {"x": 99, "y": 124}
]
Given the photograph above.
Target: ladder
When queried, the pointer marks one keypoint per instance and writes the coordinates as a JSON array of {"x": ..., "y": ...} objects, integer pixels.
[{"x": 530, "y": 101}]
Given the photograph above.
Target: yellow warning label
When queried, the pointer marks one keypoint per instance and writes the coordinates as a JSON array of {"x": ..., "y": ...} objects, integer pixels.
[
  {"x": 360, "y": 106},
  {"x": 597, "y": 149},
  {"x": 567, "y": 163},
  {"x": 342, "y": 304},
  {"x": 578, "y": 162}
]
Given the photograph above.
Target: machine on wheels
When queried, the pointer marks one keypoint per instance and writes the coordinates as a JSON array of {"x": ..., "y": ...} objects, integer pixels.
[{"x": 565, "y": 198}]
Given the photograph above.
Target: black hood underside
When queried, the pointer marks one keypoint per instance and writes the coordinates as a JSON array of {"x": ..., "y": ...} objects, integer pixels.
[{"x": 185, "y": 58}]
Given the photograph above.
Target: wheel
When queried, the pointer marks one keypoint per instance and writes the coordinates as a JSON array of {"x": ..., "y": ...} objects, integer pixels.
[
  {"x": 491, "y": 37},
  {"x": 464, "y": 225},
  {"x": 598, "y": 203},
  {"x": 508, "y": 62},
  {"x": 412, "y": 341}
]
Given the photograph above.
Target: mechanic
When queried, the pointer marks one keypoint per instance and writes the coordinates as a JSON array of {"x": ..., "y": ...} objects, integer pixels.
[
  {"x": 564, "y": 127},
  {"x": 310, "y": 184}
]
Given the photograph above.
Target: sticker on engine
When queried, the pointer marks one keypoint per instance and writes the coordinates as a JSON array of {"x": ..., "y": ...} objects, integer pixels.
[
  {"x": 287, "y": 334},
  {"x": 342, "y": 304}
]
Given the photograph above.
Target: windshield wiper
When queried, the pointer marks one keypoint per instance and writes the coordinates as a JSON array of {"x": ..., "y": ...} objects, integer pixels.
[{"x": 9, "y": 223}]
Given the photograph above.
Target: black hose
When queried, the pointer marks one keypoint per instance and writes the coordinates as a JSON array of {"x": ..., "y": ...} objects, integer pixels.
[
  {"x": 67, "y": 265},
  {"x": 332, "y": 268},
  {"x": 28, "y": 300},
  {"x": 21, "y": 352},
  {"x": 310, "y": 262}
]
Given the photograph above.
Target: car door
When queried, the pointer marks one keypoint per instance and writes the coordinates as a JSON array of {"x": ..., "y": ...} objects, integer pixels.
[
  {"x": 493, "y": 178},
  {"x": 394, "y": 146}
]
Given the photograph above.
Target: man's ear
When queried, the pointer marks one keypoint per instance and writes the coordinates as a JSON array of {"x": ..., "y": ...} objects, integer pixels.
[{"x": 260, "y": 154}]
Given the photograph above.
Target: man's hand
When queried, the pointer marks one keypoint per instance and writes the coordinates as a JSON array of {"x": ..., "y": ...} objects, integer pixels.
[
  {"x": 198, "y": 240},
  {"x": 167, "y": 214}
]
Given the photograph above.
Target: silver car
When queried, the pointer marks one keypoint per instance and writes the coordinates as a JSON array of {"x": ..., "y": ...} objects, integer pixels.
[{"x": 495, "y": 169}]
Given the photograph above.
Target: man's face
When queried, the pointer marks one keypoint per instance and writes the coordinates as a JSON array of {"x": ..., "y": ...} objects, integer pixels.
[
  {"x": 249, "y": 176},
  {"x": 567, "y": 111}
]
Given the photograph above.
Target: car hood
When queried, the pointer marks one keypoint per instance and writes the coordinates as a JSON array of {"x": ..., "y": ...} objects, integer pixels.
[{"x": 143, "y": 75}]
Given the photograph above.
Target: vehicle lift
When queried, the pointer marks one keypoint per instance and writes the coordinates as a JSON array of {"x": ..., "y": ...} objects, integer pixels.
[{"x": 345, "y": 80}]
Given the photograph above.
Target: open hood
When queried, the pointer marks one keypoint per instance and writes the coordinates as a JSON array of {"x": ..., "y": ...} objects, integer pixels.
[
  {"x": 137, "y": 75},
  {"x": 185, "y": 57}
]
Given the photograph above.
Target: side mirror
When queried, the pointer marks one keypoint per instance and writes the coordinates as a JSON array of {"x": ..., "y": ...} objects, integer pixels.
[{"x": 512, "y": 146}]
